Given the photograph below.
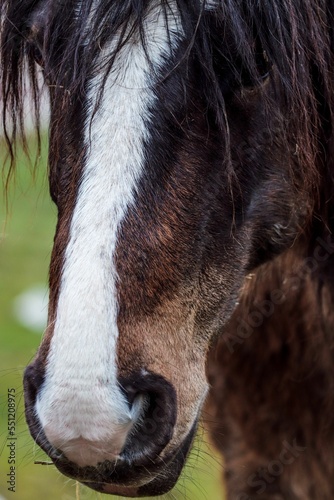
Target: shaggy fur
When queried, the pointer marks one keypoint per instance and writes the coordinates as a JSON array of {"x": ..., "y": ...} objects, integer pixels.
[{"x": 272, "y": 380}]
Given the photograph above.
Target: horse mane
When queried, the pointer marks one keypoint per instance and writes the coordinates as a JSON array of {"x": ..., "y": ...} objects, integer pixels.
[{"x": 297, "y": 37}]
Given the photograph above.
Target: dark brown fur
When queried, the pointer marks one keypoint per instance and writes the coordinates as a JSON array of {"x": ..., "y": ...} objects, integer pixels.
[{"x": 273, "y": 384}]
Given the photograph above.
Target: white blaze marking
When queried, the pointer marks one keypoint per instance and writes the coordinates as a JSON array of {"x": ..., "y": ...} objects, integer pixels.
[{"x": 80, "y": 400}]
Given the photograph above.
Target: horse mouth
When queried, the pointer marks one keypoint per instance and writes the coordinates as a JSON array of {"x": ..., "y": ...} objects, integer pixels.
[{"x": 128, "y": 480}]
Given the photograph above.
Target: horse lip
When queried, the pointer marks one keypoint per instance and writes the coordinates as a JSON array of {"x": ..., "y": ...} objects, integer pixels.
[
  {"x": 124, "y": 491},
  {"x": 148, "y": 482},
  {"x": 154, "y": 485},
  {"x": 124, "y": 475}
]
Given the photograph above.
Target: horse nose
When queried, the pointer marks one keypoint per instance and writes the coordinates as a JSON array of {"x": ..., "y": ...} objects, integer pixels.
[
  {"x": 138, "y": 433},
  {"x": 32, "y": 381}
]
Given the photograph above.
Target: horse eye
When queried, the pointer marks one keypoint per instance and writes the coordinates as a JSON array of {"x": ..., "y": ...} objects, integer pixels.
[
  {"x": 264, "y": 65},
  {"x": 262, "y": 73},
  {"x": 265, "y": 75}
]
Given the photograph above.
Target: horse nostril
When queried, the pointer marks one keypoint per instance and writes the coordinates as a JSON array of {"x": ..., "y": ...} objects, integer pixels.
[
  {"x": 156, "y": 419},
  {"x": 32, "y": 381}
]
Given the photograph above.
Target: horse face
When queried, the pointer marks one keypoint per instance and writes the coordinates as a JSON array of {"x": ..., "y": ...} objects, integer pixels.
[{"x": 150, "y": 250}]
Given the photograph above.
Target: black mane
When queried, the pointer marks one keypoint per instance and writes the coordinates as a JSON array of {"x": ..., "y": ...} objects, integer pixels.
[{"x": 296, "y": 37}]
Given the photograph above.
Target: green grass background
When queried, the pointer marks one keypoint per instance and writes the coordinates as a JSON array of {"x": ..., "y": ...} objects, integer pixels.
[{"x": 26, "y": 232}]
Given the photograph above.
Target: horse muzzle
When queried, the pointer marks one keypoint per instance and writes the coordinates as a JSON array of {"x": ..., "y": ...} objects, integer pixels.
[{"x": 138, "y": 460}]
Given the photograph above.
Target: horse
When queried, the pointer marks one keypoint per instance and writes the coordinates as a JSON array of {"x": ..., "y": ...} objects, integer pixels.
[{"x": 191, "y": 163}]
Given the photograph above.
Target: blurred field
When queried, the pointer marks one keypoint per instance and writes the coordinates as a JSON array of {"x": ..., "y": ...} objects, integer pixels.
[{"x": 26, "y": 230}]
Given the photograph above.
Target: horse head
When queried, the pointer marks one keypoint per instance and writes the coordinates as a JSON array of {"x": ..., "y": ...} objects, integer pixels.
[{"x": 177, "y": 168}]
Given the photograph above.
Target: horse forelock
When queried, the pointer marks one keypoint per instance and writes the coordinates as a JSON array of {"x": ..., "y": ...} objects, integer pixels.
[{"x": 296, "y": 37}]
